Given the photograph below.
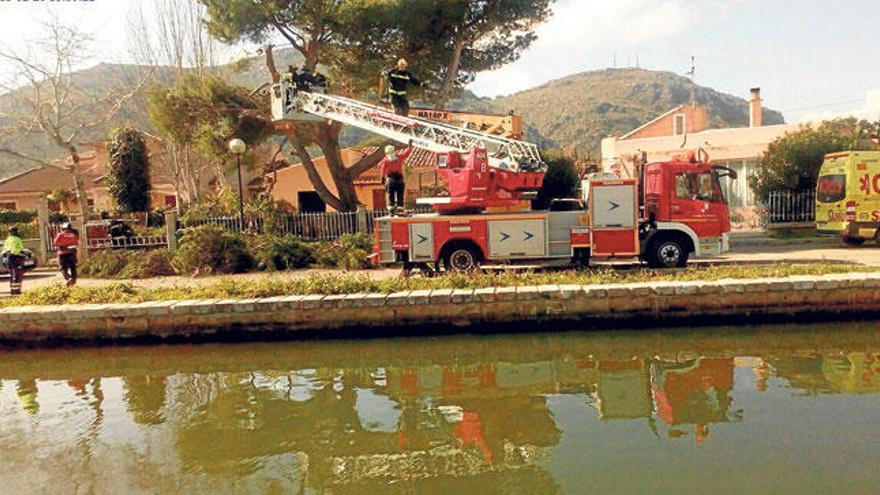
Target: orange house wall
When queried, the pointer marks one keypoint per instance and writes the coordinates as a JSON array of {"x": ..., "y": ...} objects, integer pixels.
[{"x": 696, "y": 119}]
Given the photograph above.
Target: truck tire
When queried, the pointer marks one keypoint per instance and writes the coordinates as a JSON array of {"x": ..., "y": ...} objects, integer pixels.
[
  {"x": 667, "y": 252},
  {"x": 461, "y": 259},
  {"x": 852, "y": 241}
]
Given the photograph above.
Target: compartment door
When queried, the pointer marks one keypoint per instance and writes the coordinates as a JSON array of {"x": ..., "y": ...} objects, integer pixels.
[
  {"x": 517, "y": 238},
  {"x": 421, "y": 241},
  {"x": 613, "y": 212}
]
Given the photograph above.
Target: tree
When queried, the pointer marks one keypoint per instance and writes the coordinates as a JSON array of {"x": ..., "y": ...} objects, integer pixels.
[
  {"x": 172, "y": 36},
  {"x": 560, "y": 181},
  {"x": 792, "y": 162},
  {"x": 62, "y": 196},
  {"x": 51, "y": 102},
  {"x": 352, "y": 40},
  {"x": 129, "y": 170}
]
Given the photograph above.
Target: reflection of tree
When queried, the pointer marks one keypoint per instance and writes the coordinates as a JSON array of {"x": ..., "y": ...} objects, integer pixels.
[
  {"x": 145, "y": 396},
  {"x": 27, "y": 396}
]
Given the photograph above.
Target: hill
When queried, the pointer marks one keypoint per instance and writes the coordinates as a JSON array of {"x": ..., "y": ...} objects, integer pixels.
[{"x": 580, "y": 109}]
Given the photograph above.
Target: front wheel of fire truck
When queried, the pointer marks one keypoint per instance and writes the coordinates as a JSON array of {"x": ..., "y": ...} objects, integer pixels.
[
  {"x": 461, "y": 259},
  {"x": 667, "y": 252}
]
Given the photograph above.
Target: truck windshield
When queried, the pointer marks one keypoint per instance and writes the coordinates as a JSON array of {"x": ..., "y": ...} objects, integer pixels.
[
  {"x": 701, "y": 186},
  {"x": 831, "y": 188}
]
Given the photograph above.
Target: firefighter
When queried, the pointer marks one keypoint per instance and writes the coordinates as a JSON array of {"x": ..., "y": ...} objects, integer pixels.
[
  {"x": 66, "y": 241},
  {"x": 398, "y": 80},
  {"x": 391, "y": 169},
  {"x": 12, "y": 258}
]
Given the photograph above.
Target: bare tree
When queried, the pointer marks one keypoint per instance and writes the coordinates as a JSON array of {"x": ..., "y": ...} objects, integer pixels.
[
  {"x": 48, "y": 101},
  {"x": 172, "y": 36}
]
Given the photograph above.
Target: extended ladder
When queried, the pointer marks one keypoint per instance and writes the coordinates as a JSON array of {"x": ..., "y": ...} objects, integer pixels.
[{"x": 433, "y": 136}]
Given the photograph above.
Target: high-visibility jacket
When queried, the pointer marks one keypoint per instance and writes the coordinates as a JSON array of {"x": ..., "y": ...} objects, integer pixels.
[
  {"x": 13, "y": 245},
  {"x": 399, "y": 80}
]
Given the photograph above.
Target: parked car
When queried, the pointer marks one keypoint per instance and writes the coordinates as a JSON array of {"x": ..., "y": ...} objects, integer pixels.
[{"x": 30, "y": 262}]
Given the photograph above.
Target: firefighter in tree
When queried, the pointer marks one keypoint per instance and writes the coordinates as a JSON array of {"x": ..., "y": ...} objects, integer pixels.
[
  {"x": 399, "y": 79},
  {"x": 391, "y": 169}
]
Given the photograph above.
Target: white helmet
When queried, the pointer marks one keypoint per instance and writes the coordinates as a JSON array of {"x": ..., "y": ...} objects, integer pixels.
[{"x": 390, "y": 149}]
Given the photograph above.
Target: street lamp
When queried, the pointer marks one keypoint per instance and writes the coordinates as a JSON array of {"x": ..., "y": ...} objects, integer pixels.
[{"x": 238, "y": 147}]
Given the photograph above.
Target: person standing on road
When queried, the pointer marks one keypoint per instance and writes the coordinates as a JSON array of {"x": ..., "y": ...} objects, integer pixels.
[
  {"x": 66, "y": 241},
  {"x": 12, "y": 258},
  {"x": 399, "y": 79},
  {"x": 391, "y": 169}
]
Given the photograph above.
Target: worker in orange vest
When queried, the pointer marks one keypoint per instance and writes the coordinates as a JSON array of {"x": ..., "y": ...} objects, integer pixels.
[{"x": 66, "y": 241}]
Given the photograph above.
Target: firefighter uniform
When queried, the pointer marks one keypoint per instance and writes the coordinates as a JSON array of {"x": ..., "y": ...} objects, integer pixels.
[
  {"x": 12, "y": 256},
  {"x": 399, "y": 79}
]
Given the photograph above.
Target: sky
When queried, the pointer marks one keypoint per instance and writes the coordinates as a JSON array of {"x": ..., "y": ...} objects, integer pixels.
[{"x": 812, "y": 58}]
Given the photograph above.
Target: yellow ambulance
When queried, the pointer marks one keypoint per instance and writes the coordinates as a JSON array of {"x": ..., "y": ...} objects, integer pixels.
[{"x": 848, "y": 196}]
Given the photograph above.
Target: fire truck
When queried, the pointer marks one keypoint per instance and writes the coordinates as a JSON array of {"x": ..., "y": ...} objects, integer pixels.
[{"x": 674, "y": 210}]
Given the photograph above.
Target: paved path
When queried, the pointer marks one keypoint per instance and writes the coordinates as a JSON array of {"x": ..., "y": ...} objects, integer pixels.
[{"x": 868, "y": 254}]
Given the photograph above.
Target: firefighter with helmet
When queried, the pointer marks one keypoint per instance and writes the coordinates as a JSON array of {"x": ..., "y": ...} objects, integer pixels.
[
  {"x": 399, "y": 79},
  {"x": 391, "y": 169}
]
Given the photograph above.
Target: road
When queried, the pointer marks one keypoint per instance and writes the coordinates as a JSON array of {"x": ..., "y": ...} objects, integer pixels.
[{"x": 866, "y": 255}]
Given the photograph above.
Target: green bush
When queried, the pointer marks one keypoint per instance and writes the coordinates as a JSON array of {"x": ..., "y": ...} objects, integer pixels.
[
  {"x": 15, "y": 216},
  {"x": 349, "y": 252},
  {"x": 211, "y": 249},
  {"x": 104, "y": 264},
  {"x": 282, "y": 252},
  {"x": 146, "y": 264},
  {"x": 58, "y": 217}
]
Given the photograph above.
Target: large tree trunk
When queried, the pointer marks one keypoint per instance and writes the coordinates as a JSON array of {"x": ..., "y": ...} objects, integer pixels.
[
  {"x": 83, "y": 203},
  {"x": 451, "y": 74}
]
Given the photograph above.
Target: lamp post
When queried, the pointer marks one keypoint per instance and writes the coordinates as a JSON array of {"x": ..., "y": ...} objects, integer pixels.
[{"x": 238, "y": 147}]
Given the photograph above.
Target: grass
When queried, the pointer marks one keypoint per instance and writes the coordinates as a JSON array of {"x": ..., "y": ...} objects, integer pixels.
[{"x": 345, "y": 283}]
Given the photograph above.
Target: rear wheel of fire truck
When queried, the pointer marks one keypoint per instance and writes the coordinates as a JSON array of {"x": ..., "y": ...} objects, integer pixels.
[
  {"x": 667, "y": 252},
  {"x": 461, "y": 258},
  {"x": 852, "y": 241}
]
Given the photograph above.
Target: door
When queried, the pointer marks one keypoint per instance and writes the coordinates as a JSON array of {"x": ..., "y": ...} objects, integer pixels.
[
  {"x": 421, "y": 241},
  {"x": 510, "y": 239},
  {"x": 613, "y": 216},
  {"x": 379, "y": 199}
]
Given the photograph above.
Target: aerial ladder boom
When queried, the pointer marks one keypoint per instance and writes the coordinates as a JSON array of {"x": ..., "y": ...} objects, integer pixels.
[
  {"x": 433, "y": 136},
  {"x": 481, "y": 170}
]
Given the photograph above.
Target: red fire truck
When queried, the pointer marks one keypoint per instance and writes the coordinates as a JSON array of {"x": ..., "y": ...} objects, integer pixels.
[{"x": 675, "y": 210}]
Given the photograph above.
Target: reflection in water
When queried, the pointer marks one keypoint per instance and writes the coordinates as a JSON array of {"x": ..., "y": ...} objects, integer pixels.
[{"x": 504, "y": 414}]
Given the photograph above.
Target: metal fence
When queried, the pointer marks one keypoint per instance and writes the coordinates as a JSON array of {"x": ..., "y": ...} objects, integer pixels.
[
  {"x": 327, "y": 226},
  {"x": 134, "y": 242},
  {"x": 791, "y": 208}
]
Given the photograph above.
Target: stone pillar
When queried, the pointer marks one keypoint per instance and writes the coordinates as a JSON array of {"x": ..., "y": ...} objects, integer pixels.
[
  {"x": 79, "y": 223},
  {"x": 43, "y": 228},
  {"x": 361, "y": 213},
  {"x": 171, "y": 229}
]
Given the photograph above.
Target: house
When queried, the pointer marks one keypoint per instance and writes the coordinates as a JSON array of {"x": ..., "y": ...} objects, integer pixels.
[
  {"x": 24, "y": 190},
  {"x": 290, "y": 183},
  {"x": 684, "y": 129}
]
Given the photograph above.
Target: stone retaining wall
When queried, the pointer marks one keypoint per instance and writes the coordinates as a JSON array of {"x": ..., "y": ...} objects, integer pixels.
[{"x": 644, "y": 305}]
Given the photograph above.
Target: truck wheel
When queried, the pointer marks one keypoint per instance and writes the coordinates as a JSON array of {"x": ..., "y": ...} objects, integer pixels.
[
  {"x": 461, "y": 260},
  {"x": 852, "y": 241},
  {"x": 667, "y": 253}
]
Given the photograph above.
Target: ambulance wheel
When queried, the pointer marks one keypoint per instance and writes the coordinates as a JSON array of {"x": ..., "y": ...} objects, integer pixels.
[
  {"x": 877, "y": 237},
  {"x": 462, "y": 259},
  {"x": 852, "y": 241},
  {"x": 667, "y": 252}
]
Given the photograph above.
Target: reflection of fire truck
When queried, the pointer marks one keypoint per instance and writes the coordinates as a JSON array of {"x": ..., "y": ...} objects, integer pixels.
[{"x": 679, "y": 209}]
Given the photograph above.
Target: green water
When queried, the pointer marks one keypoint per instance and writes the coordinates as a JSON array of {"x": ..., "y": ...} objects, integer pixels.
[{"x": 791, "y": 409}]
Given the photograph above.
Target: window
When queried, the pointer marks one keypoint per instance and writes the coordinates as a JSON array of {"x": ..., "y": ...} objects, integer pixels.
[
  {"x": 679, "y": 124},
  {"x": 8, "y": 205},
  {"x": 831, "y": 188},
  {"x": 310, "y": 202},
  {"x": 696, "y": 186}
]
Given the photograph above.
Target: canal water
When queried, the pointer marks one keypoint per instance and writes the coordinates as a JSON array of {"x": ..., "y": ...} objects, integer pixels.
[{"x": 758, "y": 410}]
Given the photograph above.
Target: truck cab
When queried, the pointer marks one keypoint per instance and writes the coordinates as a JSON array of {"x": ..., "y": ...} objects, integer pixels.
[{"x": 684, "y": 212}]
